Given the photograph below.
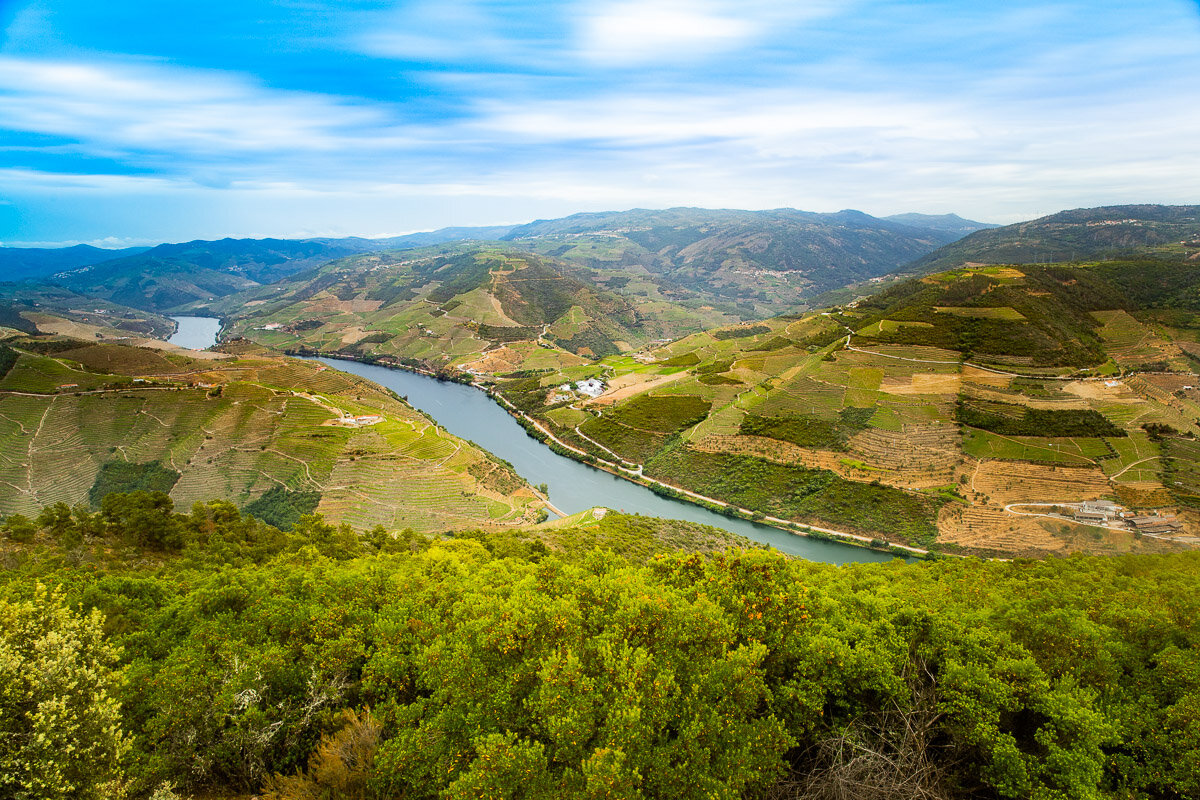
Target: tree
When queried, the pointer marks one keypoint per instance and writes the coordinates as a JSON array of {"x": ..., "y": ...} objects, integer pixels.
[
  {"x": 60, "y": 730},
  {"x": 19, "y": 528},
  {"x": 144, "y": 519}
]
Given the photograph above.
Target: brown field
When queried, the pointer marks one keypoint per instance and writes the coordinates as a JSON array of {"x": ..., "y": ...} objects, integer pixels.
[
  {"x": 502, "y": 359},
  {"x": 631, "y": 385},
  {"x": 922, "y": 383},
  {"x": 982, "y": 393},
  {"x": 911, "y": 468},
  {"x": 985, "y": 378},
  {"x": 989, "y": 528},
  {"x": 920, "y": 456},
  {"x": 1143, "y": 494},
  {"x": 1015, "y": 482}
]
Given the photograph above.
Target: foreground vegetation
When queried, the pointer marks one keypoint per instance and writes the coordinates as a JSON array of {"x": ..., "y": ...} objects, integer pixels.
[{"x": 575, "y": 661}]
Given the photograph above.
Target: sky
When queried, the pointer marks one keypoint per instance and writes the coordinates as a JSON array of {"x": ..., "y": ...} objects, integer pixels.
[{"x": 130, "y": 122}]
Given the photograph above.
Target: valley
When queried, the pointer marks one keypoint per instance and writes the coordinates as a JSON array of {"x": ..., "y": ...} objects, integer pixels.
[{"x": 933, "y": 413}]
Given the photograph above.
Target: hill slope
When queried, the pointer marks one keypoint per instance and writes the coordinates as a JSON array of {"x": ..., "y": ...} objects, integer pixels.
[
  {"x": 25, "y": 306},
  {"x": 1078, "y": 235},
  {"x": 78, "y": 419},
  {"x": 941, "y": 411},
  {"x": 454, "y": 306}
]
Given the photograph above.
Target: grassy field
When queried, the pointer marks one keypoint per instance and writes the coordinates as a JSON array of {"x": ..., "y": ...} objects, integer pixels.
[{"x": 986, "y": 445}]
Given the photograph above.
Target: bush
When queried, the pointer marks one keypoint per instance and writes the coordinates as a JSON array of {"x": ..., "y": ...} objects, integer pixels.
[{"x": 60, "y": 724}]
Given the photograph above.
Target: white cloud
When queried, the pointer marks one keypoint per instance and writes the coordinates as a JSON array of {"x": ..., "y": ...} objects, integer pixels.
[
  {"x": 641, "y": 32},
  {"x": 119, "y": 107}
]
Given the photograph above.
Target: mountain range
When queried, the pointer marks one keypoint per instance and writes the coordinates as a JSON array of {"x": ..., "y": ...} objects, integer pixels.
[{"x": 762, "y": 261}]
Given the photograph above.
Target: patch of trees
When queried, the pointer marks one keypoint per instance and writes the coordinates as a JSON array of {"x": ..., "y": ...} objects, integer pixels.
[
  {"x": 809, "y": 431},
  {"x": 283, "y": 507},
  {"x": 665, "y": 413},
  {"x": 740, "y": 333},
  {"x": 8, "y": 358},
  {"x": 590, "y": 339},
  {"x": 10, "y": 317},
  {"x": 799, "y": 493},
  {"x": 1009, "y": 419},
  {"x": 502, "y": 333},
  {"x": 126, "y": 476}
]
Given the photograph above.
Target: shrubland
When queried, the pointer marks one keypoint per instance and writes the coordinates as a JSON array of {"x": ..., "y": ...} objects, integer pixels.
[{"x": 587, "y": 660}]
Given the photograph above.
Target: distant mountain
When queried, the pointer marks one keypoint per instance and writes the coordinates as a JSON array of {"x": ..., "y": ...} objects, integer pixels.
[
  {"x": 950, "y": 223},
  {"x": 171, "y": 275},
  {"x": 441, "y": 236},
  {"x": 1077, "y": 235},
  {"x": 762, "y": 262},
  {"x": 766, "y": 261},
  {"x": 174, "y": 274},
  {"x": 19, "y": 263}
]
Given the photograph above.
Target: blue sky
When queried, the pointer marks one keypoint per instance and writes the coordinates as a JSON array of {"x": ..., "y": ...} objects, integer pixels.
[{"x": 132, "y": 122}]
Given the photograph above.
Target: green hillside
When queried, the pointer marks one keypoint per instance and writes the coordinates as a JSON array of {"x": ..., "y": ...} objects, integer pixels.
[
  {"x": 462, "y": 305},
  {"x": 1079, "y": 235},
  {"x": 79, "y": 420},
  {"x": 922, "y": 413},
  {"x": 23, "y": 305}
]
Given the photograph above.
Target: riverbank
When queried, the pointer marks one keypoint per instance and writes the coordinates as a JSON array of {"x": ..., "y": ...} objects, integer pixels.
[{"x": 534, "y": 429}]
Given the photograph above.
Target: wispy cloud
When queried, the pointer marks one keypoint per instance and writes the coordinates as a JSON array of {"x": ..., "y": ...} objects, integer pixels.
[
  {"x": 165, "y": 109},
  {"x": 644, "y": 32}
]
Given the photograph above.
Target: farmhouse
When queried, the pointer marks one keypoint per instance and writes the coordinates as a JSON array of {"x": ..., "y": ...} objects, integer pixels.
[
  {"x": 1100, "y": 511},
  {"x": 1155, "y": 525}
]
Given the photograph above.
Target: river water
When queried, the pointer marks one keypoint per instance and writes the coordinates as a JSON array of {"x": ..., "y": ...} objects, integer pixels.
[
  {"x": 198, "y": 333},
  {"x": 470, "y": 414}
]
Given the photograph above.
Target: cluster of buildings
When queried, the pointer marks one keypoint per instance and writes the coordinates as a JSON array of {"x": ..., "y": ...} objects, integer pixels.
[{"x": 1104, "y": 512}]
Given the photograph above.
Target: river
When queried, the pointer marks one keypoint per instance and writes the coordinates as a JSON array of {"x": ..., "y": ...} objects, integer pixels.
[
  {"x": 198, "y": 333},
  {"x": 470, "y": 414}
]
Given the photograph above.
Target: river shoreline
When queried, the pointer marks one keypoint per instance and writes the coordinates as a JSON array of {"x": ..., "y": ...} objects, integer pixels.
[{"x": 711, "y": 504}]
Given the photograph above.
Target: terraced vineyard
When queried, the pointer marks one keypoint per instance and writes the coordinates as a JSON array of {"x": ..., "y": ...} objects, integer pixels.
[
  {"x": 939, "y": 391},
  {"x": 235, "y": 428}
]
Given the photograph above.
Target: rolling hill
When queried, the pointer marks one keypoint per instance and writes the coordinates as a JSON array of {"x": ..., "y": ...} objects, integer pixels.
[
  {"x": 29, "y": 306},
  {"x": 747, "y": 263},
  {"x": 274, "y": 435},
  {"x": 458, "y": 305},
  {"x": 1081, "y": 234}
]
